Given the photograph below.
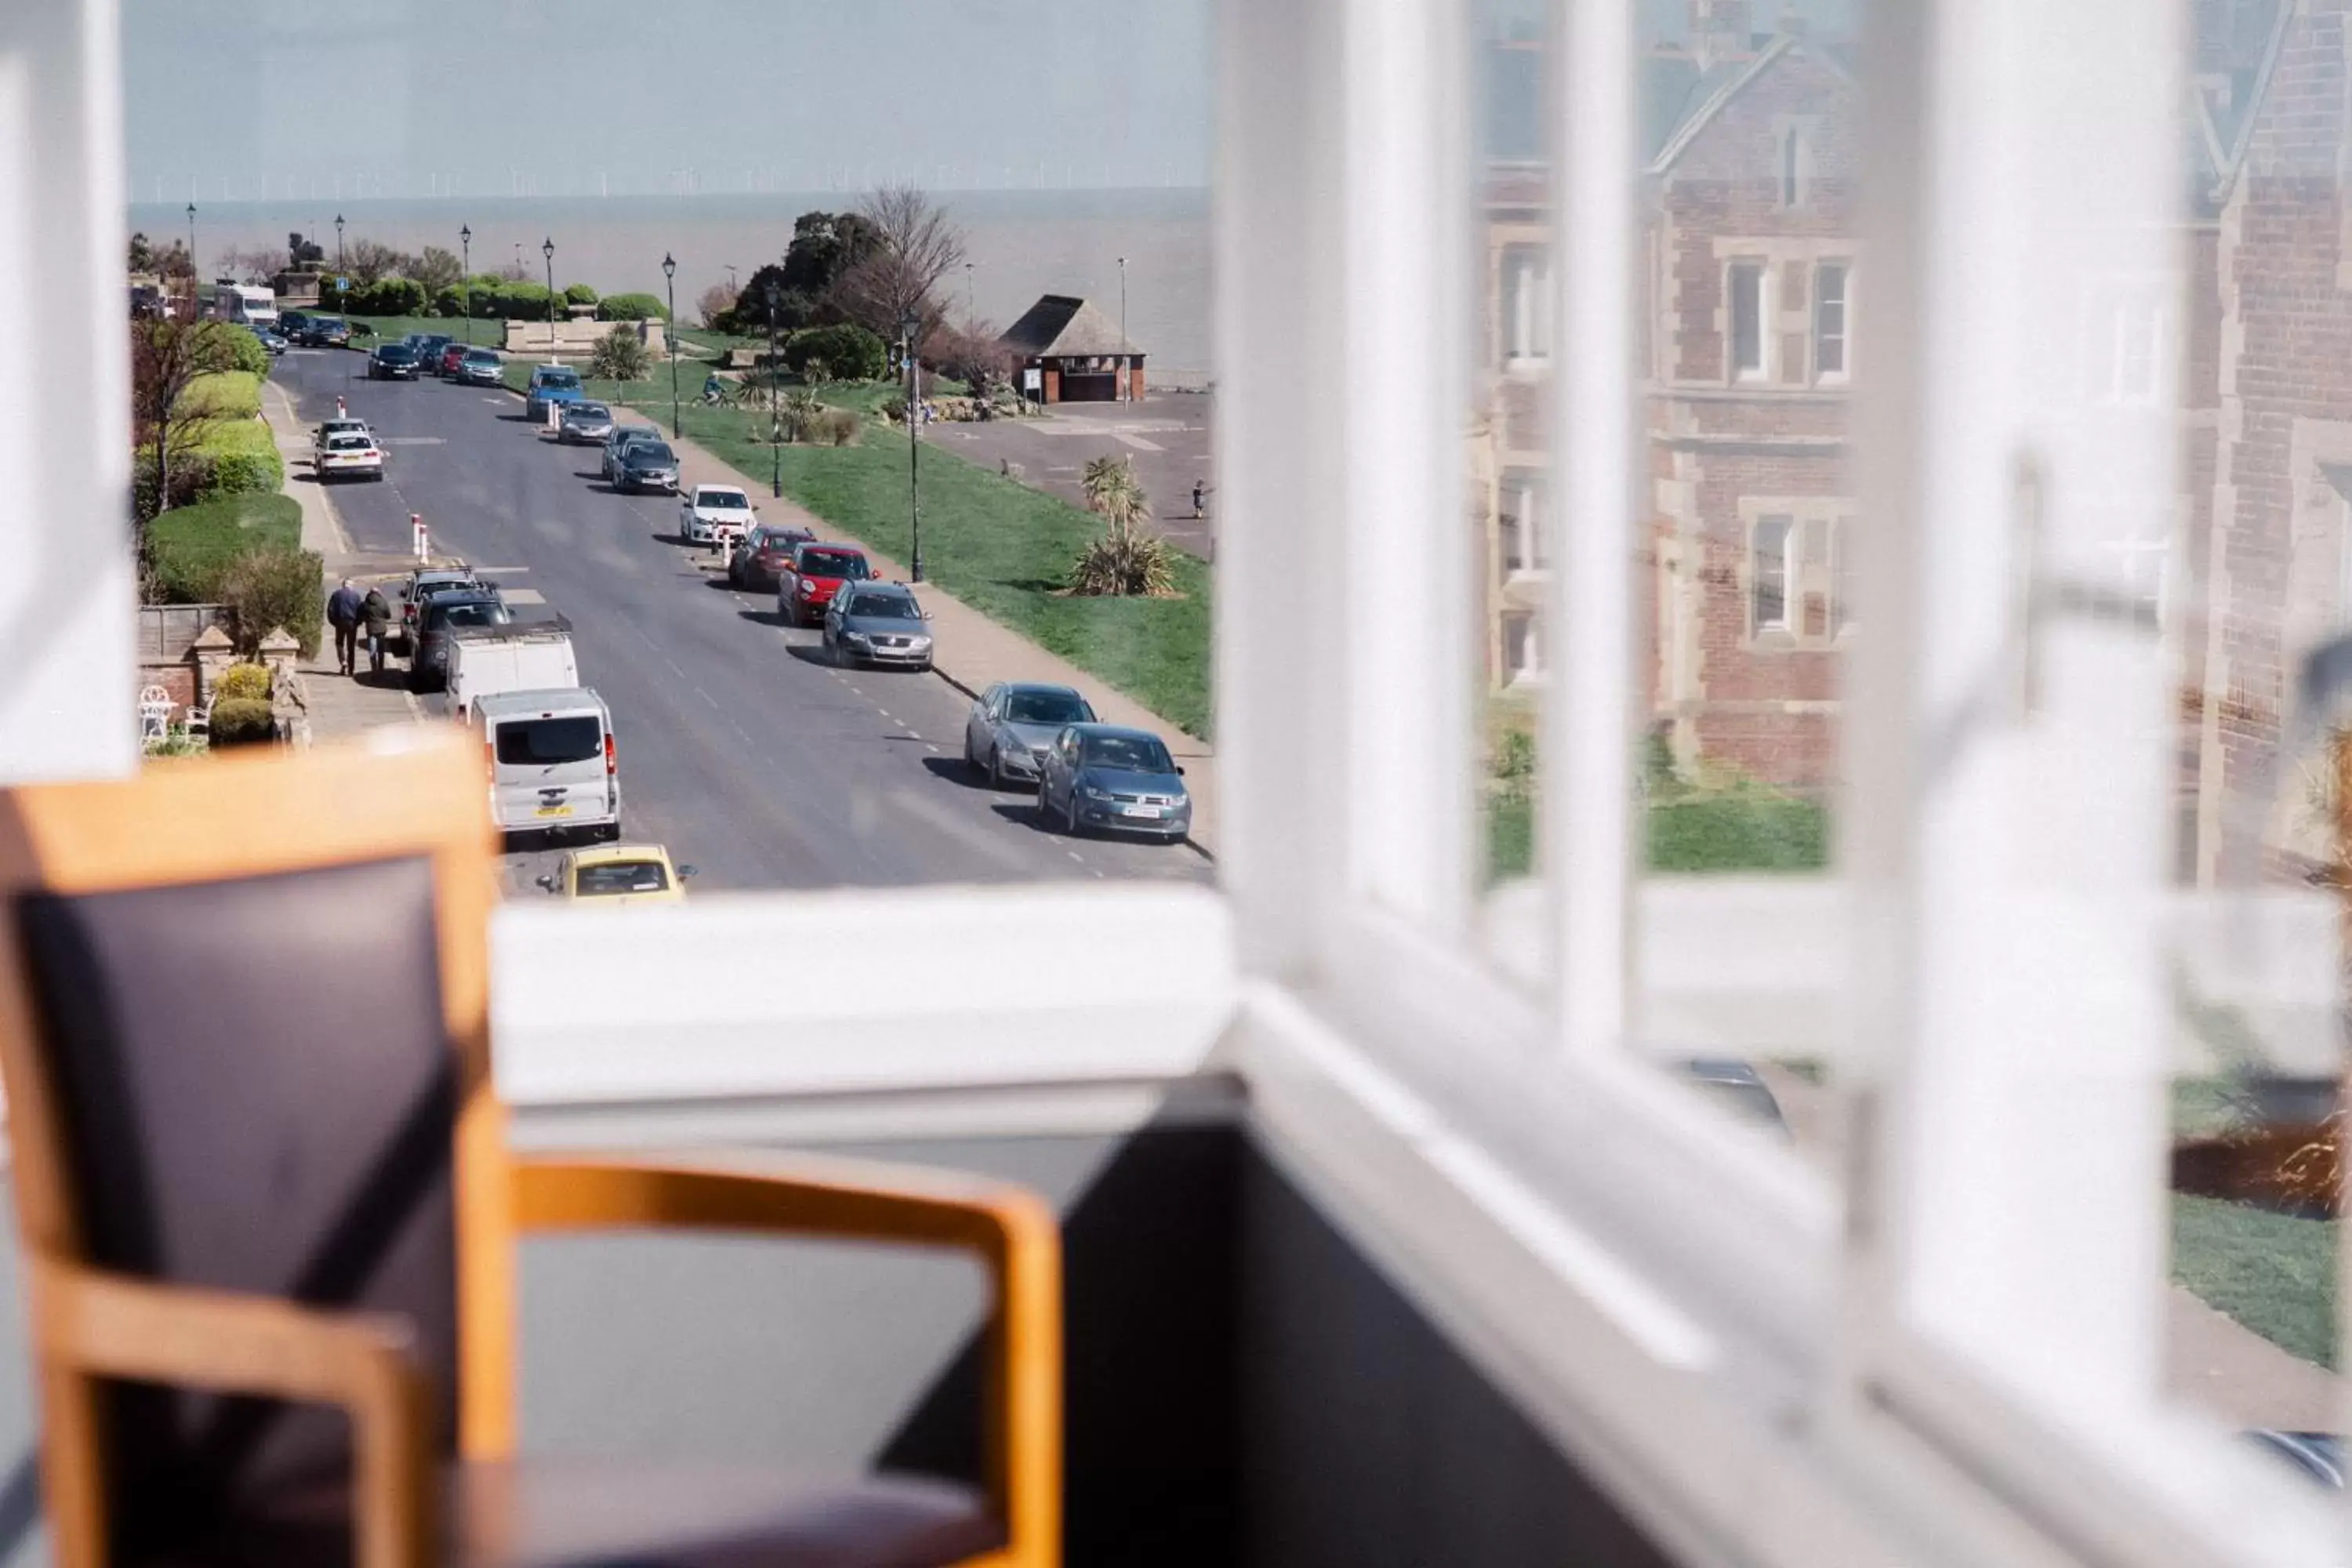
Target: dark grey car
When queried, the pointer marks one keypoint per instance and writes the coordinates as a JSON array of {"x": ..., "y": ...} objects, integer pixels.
[
  {"x": 1110, "y": 777},
  {"x": 428, "y": 663},
  {"x": 646, "y": 466},
  {"x": 878, "y": 623},
  {"x": 1013, "y": 725},
  {"x": 622, "y": 438}
]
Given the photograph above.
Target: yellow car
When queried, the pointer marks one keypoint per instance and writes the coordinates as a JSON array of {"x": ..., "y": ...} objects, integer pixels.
[{"x": 619, "y": 874}]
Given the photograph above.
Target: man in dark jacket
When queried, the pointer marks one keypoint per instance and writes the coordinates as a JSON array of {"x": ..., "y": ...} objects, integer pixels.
[
  {"x": 376, "y": 614},
  {"x": 343, "y": 615}
]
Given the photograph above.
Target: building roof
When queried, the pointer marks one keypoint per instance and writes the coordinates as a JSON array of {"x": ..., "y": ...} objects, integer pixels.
[{"x": 1065, "y": 326}]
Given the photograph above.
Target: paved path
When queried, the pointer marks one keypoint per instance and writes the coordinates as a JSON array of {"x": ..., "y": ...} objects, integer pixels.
[
  {"x": 739, "y": 747},
  {"x": 1165, "y": 438}
]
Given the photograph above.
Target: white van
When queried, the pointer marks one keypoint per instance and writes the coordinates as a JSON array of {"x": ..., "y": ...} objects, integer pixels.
[
  {"x": 553, "y": 765},
  {"x": 520, "y": 656},
  {"x": 248, "y": 303}
]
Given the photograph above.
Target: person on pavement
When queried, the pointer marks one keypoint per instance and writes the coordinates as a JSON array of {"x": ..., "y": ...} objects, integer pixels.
[
  {"x": 375, "y": 612},
  {"x": 343, "y": 615}
]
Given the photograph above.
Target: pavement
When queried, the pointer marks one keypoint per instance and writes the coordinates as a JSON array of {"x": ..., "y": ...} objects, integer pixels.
[
  {"x": 740, "y": 748},
  {"x": 1164, "y": 436}
]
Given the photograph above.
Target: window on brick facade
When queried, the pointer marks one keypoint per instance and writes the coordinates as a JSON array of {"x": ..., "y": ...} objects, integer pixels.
[
  {"x": 1747, "y": 280},
  {"x": 1521, "y": 510},
  {"x": 1522, "y": 649},
  {"x": 1841, "y": 577},
  {"x": 1796, "y": 166},
  {"x": 1527, "y": 303},
  {"x": 1829, "y": 282},
  {"x": 1771, "y": 562}
]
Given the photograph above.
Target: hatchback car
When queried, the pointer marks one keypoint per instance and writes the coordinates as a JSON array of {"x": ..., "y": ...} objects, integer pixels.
[
  {"x": 646, "y": 466},
  {"x": 441, "y": 614},
  {"x": 392, "y": 362},
  {"x": 550, "y": 384},
  {"x": 481, "y": 367},
  {"x": 618, "y": 442},
  {"x": 816, "y": 573},
  {"x": 584, "y": 424},
  {"x": 1123, "y": 780},
  {"x": 715, "y": 514},
  {"x": 762, "y": 556},
  {"x": 422, "y": 585},
  {"x": 619, "y": 874},
  {"x": 272, "y": 341},
  {"x": 1013, "y": 724},
  {"x": 452, "y": 356},
  {"x": 878, "y": 623}
]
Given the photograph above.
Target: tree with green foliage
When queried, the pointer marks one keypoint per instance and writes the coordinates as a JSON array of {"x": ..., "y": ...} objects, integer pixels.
[
  {"x": 167, "y": 358},
  {"x": 848, "y": 353}
]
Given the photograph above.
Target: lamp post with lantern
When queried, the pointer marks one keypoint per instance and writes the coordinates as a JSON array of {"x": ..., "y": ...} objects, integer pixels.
[
  {"x": 911, "y": 327},
  {"x": 669, "y": 331},
  {"x": 466, "y": 278},
  {"x": 547, "y": 250}
]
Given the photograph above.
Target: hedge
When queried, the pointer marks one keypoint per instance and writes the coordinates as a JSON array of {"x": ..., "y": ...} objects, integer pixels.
[
  {"x": 245, "y": 459},
  {"x": 190, "y": 547},
  {"x": 579, "y": 294},
  {"x": 242, "y": 722},
  {"x": 632, "y": 308},
  {"x": 245, "y": 347},
  {"x": 849, "y": 353},
  {"x": 224, "y": 395}
]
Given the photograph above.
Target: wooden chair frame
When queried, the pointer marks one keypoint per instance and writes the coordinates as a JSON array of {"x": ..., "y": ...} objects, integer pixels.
[{"x": 420, "y": 795}]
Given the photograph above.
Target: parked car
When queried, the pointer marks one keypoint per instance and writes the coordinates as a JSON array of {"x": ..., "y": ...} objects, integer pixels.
[
  {"x": 452, "y": 356},
  {"x": 272, "y": 341},
  {"x": 584, "y": 424},
  {"x": 438, "y": 616},
  {"x": 618, "y": 442},
  {"x": 317, "y": 332},
  {"x": 353, "y": 455},
  {"x": 392, "y": 362},
  {"x": 293, "y": 324},
  {"x": 815, "y": 576},
  {"x": 715, "y": 514},
  {"x": 1107, "y": 777},
  {"x": 1013, "y": 724},
  {"x": 481, "y": 367},
  {"x": 428, "y": 347},
  {"x": 646, "y": 466},
  {"x": 550, "y": 384},
  {"x": 762, "y": 556},
  {"x": 422, "y": 585},
  {"x": 619, "y": 874},
  {"x": 554, "y": 763},
  {"x": 878, "y": 623}
]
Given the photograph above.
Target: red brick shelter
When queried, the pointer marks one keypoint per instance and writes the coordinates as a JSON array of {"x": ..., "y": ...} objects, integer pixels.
[{"x": 1071, "y": 353}]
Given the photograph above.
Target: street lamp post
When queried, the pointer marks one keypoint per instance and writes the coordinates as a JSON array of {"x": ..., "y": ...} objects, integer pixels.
[
  {"x": 547, "y": 248},
  {"x": 465, "y": 278},
  {"x": 669, "y": 331},
  {"x": 775, "y": 405},
  {"x": 1125, "y": 376},
  {"x": 339, "y": 240},
  {"x": 970, "y": 314},
  {"x": 196, "y": 273},
  {"x": 912, "y": 326}
]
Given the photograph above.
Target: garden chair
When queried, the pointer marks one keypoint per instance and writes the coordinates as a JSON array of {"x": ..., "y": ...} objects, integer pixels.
[
  {"x": 154, "y": 713},
  {"x": 172, "y": 943},
  {"x": 198, "y": 719}
]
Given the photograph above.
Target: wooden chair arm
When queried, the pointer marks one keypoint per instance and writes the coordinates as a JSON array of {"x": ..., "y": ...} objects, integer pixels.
[
  {"x": 97, "y": 1325},
  {"x": 1014, "y": 1231}
]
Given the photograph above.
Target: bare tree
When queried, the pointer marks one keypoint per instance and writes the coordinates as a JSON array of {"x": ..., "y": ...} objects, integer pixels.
[
  {"x": 916, "y": 246},
  {"x": 166, "y": 358},
  {"x": 258, "y": 265},
  {"x": 436, "y": 269},
  {"x": 371, "y": 260},
  {"x": 716, "y": 301}
]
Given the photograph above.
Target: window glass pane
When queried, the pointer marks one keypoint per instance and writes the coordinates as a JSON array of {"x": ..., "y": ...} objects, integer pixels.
[
  {"x": 1829, "y": 319},
  {"x": 1746, "y": 289},
  {"x": 744, "y": 284}
]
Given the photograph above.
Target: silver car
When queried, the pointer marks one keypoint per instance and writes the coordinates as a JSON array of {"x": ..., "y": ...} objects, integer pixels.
[
  {"x": 1009, "y": 727},
  {"x": 585, "y": 425},
  {"x": 878, "y": 623}
]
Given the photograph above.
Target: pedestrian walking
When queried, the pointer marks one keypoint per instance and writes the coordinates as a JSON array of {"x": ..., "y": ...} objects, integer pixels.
[
  {"x": 376, "y": 614},
  {"x": 1200, "y": 493},
  {"x": 343, "y": 615}
]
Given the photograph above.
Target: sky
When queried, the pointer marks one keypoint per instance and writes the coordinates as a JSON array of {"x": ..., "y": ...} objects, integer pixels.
[{"x": 279, "y": 99}]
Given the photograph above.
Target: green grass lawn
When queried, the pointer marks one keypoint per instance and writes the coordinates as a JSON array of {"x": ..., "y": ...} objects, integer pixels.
[
  {"x": 2274, "y": 1273},
  {"x": 1743, "y": 829},
  {"x": 191, "y": 546}
]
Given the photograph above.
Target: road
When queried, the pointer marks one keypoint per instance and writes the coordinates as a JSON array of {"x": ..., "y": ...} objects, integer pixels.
[{"x": 740, "y": 749}]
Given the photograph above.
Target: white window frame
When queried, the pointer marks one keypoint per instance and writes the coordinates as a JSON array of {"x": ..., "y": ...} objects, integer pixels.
[
  {"x": 1760, "y": 298},
  {"x": 1842, "y": 267},
  {"x": 1740, "y": 1359},
  {"x": 1525, "y": 300},
  {"x": 1790, "y": 568},
  {"x": 1522, "y": 494}
]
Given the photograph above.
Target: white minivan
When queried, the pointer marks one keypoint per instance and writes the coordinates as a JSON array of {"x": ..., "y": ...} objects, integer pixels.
[{"x": 553, "y": 766}]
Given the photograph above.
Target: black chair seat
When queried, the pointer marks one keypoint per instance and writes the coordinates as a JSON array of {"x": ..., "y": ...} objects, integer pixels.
[{"x": 619, "y": 1513}]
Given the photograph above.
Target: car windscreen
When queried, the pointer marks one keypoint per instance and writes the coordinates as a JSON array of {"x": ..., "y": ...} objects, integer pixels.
[
  {"x": 395, "y": 354},
  {"x": 545, "y": 743},
  {"x": 469, "y": 613},
  {"x": 1048, "y": 707},
  {"x": 1135, "y": 753},
  {"x": 480, "y": 356},
  {"x": 783, "y": 540},
  {"x": 833, "y": 563},
  {"x": 585, "y": 412},
  {"x": 722, "y": 500},
  {"x": 621, "y": 877},
  {"x": 884, "y": 607},
  {"x": 651, "y": 452},
  {"x": 560, "y": 378}
]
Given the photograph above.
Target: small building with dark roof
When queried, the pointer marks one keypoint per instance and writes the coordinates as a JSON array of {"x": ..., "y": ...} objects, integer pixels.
[{"x": 1071, "y": 353}]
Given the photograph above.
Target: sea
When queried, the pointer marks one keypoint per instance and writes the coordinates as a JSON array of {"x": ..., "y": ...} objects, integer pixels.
[{"x": 1019, "y": 245}]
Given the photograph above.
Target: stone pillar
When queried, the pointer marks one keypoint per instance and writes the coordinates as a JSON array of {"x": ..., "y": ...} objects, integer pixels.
[
  {"x": 210, "y": 654},
  {"x": 289, "y": 703}
]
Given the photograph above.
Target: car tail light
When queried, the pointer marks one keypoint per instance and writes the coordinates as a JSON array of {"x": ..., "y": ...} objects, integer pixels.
[
  {"x": 612, "y": 763},
  {"x": 490, "y": 758}
]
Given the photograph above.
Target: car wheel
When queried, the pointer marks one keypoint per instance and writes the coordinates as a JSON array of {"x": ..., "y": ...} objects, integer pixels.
[
  {"x": 995, "y": 768},
  {"x": 1044, "y": 805},
  {"x": 1070, "y": 815}
]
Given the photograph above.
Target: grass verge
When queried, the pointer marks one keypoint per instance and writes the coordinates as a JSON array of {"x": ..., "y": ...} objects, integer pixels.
[
  {"x": 192, "y": 546},
  {"x": 1744, "y": 830},
  {"x": 2274, "y": 1273}
]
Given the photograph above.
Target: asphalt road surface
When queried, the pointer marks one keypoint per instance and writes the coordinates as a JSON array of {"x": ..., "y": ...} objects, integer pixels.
[{"x": 740, "y": 749}]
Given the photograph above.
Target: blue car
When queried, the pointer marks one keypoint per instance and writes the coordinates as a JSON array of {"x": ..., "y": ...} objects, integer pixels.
[
  {"x": 1109, "y": 777},
  {"x": 552, "y": 385}
]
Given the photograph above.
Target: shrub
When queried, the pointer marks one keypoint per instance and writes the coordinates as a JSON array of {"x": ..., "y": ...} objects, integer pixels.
[
  {"x": 631, "y": 307},
  {"x": 579, "y": 294},
  {"x": 190, "y": 547},
  {"x": 449, "y": 302},
  {"x": 242, "y": 683},
  {"x": 1124, "y": 560},
  {"x": 837, "y": 427},
  {"x": 246, "y": 350},
  {"x": 243, "y": 722},
  {"x": 265, "y": 589},
  {"x": 620, "y": 356},
  {"x": 717, "y": 302},
  {"x": 192, "y": 478},
  {"x": 847, "y": 352},
  {"x": 244, "y": 459},
  {"x": 224, "y": 395},
  {"x": 524, "y": 301}
]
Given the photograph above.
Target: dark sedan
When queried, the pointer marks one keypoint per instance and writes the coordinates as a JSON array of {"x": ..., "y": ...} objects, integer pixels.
[
  {"x": 429, "y": 661},
  {"x": 646, "y": 466},
  {"x": 1013, "y": 724},
  {"x": 1106, "y": 776},
  {"x": 878, "y": 623},
  {"x": 392, "y": 362},
  {"x": 762, "y": 557}
]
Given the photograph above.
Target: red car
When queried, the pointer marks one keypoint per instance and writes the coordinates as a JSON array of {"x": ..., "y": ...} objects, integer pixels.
[
  {"x": 816, "y": 573},
  {"x": 453, "y": 356},
  {"x": 764, "y": 555}
]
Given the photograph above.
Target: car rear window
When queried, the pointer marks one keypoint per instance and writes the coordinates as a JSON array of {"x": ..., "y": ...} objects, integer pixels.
[
  {"x": 478, "y": 613},
  {"x": 651, "y": 452},
  {"x": 723, "y": 500},
  {"x": 545, "y": 743},
  {"x": 351, "y": 443},
  {"x": 833, "y": 563},
  {"x": 621, "y": 877},
  {"x": 560, "y": 378},
  {"x": 480, "y": 356}
]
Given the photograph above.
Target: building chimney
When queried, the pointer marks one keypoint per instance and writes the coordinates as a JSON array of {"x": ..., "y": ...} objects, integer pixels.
[{"x": 1721, "y": 31}]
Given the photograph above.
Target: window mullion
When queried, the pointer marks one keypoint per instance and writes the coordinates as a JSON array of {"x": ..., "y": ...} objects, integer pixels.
[{"x": 1590, "y": 703}]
